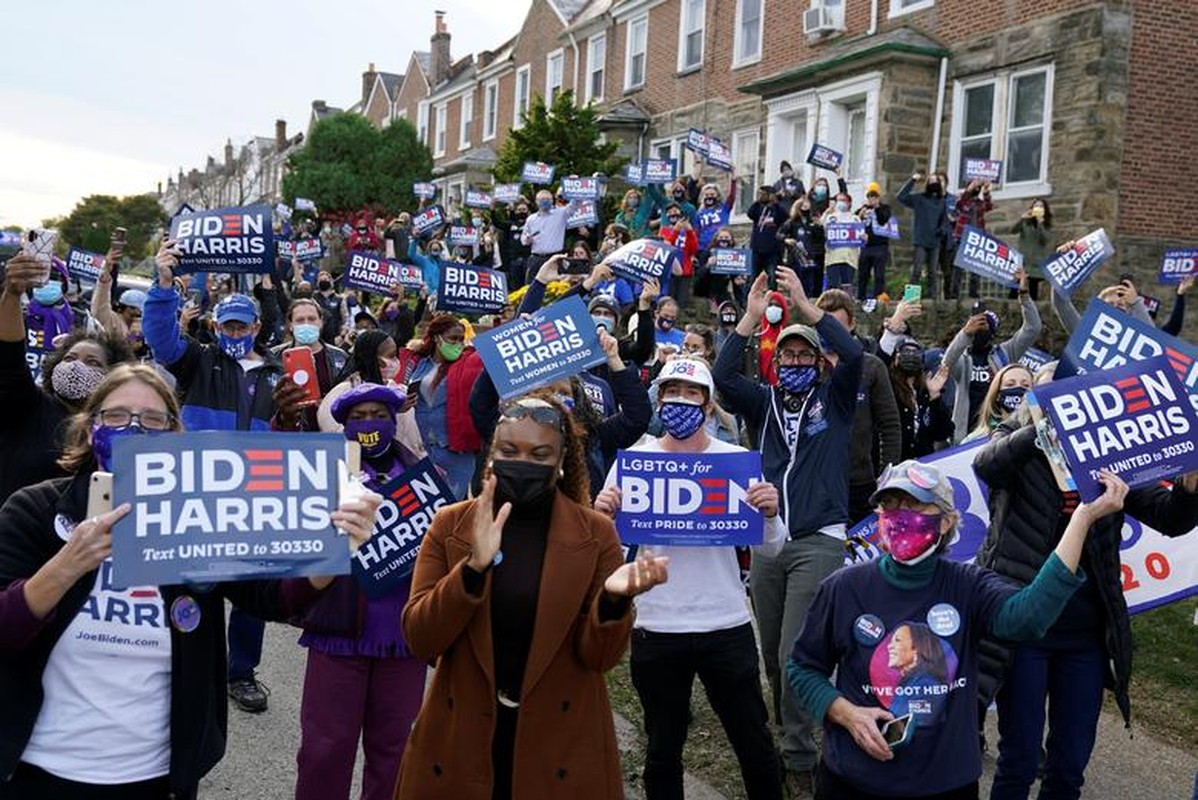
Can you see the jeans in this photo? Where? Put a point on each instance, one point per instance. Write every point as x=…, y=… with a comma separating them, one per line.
x=841, y=275
x=1072, y=681
x=931, y=257
x=245, y=644
x=663, y=668
x=873, y=261
x=783, y=588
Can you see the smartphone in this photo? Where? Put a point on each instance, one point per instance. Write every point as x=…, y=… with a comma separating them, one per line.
x=912, y=293
x=1128, y=277
x=193, y=297
x=38, y=243
x=979, y=307
x=99, y=494
x=412, y=389
x=301, y=368
x=898, y=731
x=118, y=240
x=576, y=266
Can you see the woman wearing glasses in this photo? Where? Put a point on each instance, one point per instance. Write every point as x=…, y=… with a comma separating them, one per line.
x=107, y=691
x=522, y=597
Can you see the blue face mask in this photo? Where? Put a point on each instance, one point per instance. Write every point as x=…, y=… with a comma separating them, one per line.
x=237, y=347
x=544, y=205
x=306, y=333
x=1010, y=398
x=681, y=420
x=607, y=323
x=102, y=438
x=797, y=378
x=820, y=192
x=48, y=295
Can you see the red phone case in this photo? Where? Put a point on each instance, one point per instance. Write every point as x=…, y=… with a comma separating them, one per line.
x=301, y=368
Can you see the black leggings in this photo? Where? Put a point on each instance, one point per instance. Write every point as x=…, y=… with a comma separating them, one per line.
x=34, y=783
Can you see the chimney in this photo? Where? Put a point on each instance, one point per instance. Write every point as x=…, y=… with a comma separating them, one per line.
x=160, y=188
x=229, y=155
x=367, y=84
x=280, y=135
x=439, y=60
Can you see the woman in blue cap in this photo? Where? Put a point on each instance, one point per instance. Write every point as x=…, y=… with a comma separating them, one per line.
x=361, y=682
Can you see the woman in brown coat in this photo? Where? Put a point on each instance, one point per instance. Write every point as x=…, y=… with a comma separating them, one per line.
x=522, y=597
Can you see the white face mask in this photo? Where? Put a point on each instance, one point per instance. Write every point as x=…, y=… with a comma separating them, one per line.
x=773, y=315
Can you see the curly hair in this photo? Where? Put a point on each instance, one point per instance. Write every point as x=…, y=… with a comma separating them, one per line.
x=437, y=326
x=575, y=480
x=116, y=351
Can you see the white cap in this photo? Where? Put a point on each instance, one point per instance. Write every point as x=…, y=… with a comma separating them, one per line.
x=687, y=369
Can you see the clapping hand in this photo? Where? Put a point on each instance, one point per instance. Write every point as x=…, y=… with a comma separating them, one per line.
x=487, y=532
x=639, y=576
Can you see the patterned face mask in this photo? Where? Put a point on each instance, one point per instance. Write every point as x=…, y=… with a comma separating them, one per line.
x=681, y=420
x=909, y=536
x=74, y=380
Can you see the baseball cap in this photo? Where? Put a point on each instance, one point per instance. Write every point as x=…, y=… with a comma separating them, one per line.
x=808, y=333
x=389, y=396
x=873, y=187
x=133, y=298
x=604, y=301
x=922, y=481
x=237, y=307
x=689, y=370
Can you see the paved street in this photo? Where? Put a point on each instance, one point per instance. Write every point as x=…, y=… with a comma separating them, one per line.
x=260, y=764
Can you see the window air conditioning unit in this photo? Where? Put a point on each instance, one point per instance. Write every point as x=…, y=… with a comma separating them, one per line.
x=820, y=19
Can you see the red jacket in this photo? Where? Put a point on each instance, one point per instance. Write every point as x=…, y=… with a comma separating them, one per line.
x=688, y=247
x=459, y=381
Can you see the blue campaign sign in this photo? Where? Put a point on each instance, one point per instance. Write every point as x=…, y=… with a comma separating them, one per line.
x=285, y=248
x=983, y=168
x=634, y=174
x=284, y=211
x=409, y=276
x=659, y=170
x=719, y=155
x=304, y=204
x=845, y=234
x=425, y=191
x=184, y=208
x=698, y=141
x=409, y=503
x=1035, y=358
x=471, y=290
x=1106, y=338
x=1178, y=264
x=642, y=259
x=584, y=213
x=368, y=272
x=580, y=188
x=688, y=499
x=462, y=235
x=1136, y=421
x=309, y=249
x=219, y=506
x=237, y=240
x=537, y=173
x=982, y=254
x=84, y=266
x=888, y=231
x=730, y=261
x=556, y=342
x=506, y=193
x=823, y=156
x=477, y=199
x=428, y=220
x=1066, y=271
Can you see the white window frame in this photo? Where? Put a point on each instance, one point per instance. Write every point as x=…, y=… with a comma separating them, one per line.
x=737, y=61
x=422, y=123
x=465, y=122
x=440, y=123
x=643, y=19
x=744, y=196
x=490, y=109
x=835, y=102
x=521, y=105
x=591, y=97
x=898, y=10
x=784, y=115
x=684, y=157
x=684, y=31
x=558, y=55
x=1001, y=116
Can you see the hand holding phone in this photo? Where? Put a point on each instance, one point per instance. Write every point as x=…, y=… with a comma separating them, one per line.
x=300, y=366
x=912, y=293
x=898, y=731
x=38, y=244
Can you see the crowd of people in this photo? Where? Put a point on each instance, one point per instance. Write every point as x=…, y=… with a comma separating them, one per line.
x=522, y=597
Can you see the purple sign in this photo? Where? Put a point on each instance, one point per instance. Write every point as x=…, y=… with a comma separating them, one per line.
x=471, y=290
x=660, y=170
x=730, y=261
x=368, y=272
x=506, y=193
x=982, y=168
x=463, y=235
x=584, y=214
x=825, y=157
x=427, y=220
x=84, y=266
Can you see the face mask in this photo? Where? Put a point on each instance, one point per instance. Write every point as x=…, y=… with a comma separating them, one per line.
x=788, y=173
x=908, y=535
x=306, y=334
x=665, y=324
x=390, y=313
x=773, y=315
x=476, y=221
x=607, y=323
x=103, y=437
x=237, y=347
x=324, y=286
x=679, y=194
x=1010, y=399
x=49, y=294
x=709, y=201
x=821, y=192
x=910, y=363
x=389, y=369
x=982, y=339
x=375, y=435
x=842, y=207
x=933, y=189
x=797, y=379
x=521, y=482
x=632, y=202
x=451, y=351
x=522, y=215
x=728, y=319
x=723, y=243
x=74, y=380
x=544, y=205
x=681, y=420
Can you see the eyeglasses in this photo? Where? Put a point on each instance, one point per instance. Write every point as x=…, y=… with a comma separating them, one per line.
x=796, y=357
x=123, y=417
x=546, y=415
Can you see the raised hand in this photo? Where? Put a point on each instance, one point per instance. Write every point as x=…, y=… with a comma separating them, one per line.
x=22, y=272
x=758, y=298
x=356, y=517
x=639, y=576
x=1110, y=501
x=650, y=290
x=936, y=383
x=487, y=533
x=608, y=501
x=167, y=261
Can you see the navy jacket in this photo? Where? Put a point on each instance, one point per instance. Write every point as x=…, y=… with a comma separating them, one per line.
x=931, y=218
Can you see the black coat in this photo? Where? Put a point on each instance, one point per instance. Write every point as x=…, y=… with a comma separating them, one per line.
x=1025, y=509
x=32, y=424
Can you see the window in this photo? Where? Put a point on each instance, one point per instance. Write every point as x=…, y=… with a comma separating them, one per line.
x=745, y=151
x=467, y=121
x=596, y=66
x=523, y=93
x=747, y=47
x=690, y=34
x=900, y=7
x=1005, y=117
x=553, y=75
x=490, y=109
x=634, y=67
x=422, y=123
x=440, y=123
x=675, y=149
x=855, y=156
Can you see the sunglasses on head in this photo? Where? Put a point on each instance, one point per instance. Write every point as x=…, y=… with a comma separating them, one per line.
x=546, y=415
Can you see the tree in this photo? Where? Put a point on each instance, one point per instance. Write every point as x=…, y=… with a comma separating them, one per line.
x=91, y=223
x=349, y=164
x=564, y=135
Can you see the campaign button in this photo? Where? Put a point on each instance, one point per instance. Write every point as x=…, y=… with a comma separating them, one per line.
x=185, y=614
x=944, y=619
x=868, y=630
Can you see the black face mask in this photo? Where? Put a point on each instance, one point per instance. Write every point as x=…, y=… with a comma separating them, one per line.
x=679, y=195
x=982, y=339
x=910, y=363
x=522, y=482
x=324, y=286
x=521, y=215
x=934, y=189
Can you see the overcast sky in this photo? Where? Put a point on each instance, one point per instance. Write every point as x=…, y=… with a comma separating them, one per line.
x=112, y=97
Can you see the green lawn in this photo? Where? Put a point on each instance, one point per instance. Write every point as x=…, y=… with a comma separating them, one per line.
x=1163, y=699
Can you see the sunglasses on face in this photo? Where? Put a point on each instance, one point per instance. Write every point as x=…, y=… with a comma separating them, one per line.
x=545, y=415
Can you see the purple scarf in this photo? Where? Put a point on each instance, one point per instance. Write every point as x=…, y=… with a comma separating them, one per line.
x=52, y=321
